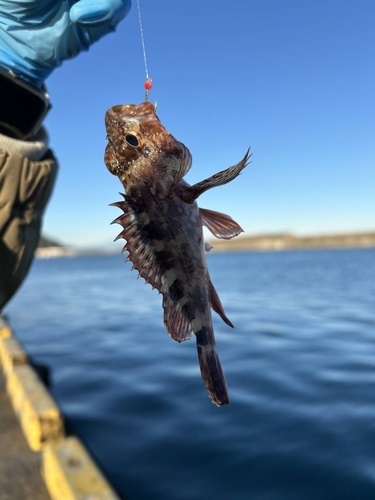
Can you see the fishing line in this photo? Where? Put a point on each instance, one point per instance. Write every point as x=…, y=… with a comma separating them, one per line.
x=148, y=82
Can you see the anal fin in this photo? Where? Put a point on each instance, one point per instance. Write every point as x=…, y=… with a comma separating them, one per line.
x=217, y=306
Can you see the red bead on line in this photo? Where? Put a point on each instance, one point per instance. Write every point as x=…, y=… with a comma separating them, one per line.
x=148, y=84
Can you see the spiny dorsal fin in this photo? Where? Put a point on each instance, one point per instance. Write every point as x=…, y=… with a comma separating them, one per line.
x=139, y=246
x=149, y=263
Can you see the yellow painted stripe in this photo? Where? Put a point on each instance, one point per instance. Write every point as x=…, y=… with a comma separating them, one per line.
x=40, y=418
x=71, y=474
x=11, y=354
x=5, y=330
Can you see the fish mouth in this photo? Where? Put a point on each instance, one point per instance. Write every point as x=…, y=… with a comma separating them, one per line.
x=121, y=114
x=129, y=111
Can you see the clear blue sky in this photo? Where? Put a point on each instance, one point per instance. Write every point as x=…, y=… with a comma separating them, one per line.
x=295, y=80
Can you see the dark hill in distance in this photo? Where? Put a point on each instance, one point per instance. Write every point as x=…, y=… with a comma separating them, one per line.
x=288, y=241
x=262, y=242
x=46, y=242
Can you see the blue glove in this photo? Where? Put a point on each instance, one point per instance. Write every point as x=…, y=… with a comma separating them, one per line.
x=36, y=36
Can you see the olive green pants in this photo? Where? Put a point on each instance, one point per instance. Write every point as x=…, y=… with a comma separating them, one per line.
x=25, y=188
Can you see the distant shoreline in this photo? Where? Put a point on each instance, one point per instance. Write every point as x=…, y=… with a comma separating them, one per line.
x=289, y=241
x=266, y=242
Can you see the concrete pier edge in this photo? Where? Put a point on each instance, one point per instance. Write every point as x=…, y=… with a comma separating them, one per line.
x=68, y=470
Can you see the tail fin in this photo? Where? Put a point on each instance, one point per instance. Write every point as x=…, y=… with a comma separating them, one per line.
x=212, y=373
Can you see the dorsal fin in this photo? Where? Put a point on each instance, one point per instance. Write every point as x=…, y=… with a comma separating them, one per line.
x=176, y=322
x=149, y=263
x=141, y=253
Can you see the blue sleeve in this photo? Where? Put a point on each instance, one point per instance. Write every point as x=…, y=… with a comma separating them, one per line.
x=36, y=36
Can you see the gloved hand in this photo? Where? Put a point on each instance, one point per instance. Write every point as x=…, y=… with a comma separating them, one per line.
x=36, y=36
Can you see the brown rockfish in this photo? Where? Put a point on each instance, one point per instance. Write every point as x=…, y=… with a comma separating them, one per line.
x=162, y=225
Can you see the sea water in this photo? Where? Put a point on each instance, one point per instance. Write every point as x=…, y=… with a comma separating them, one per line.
x=300, y=368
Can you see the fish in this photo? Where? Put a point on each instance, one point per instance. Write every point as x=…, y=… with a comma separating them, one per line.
x=162, y=226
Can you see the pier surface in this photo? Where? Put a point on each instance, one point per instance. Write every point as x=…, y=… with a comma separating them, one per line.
x=37, y=460
x=20, y=477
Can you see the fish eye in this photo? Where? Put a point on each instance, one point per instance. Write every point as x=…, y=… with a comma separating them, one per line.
x=132, y=140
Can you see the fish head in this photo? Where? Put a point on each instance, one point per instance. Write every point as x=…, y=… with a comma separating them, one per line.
x=141, y=152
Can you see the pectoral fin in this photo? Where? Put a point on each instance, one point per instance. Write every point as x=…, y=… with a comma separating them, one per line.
x=220, y=225
x=223, y=177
